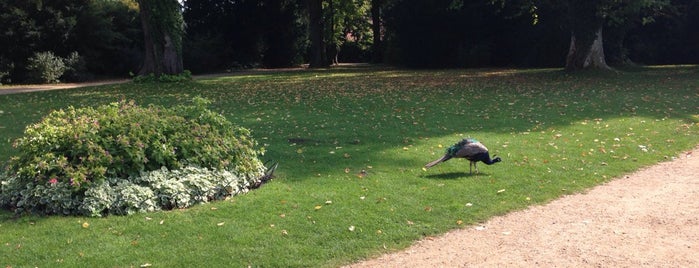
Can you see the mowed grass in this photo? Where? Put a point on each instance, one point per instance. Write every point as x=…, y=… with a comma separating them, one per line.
x=557, y=134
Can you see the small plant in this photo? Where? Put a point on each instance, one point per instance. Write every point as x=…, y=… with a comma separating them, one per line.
x=76, y=69
x=122, y=158
x=45, y=67
x=164, y=78
x=3, y=74
x=5, y=68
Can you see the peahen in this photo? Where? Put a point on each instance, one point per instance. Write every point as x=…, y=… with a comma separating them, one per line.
x=470, y=149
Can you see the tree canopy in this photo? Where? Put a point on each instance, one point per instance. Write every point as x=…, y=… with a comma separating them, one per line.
x=115, y=37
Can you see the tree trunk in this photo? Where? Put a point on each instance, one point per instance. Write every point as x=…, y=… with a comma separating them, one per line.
x=315, y=28
x=586, y=55
x=614, y=50
x=162, y=55
x=376, y=45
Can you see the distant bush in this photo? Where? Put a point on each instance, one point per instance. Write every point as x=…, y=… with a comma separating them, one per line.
x=5, y=68
x=122, y=158
x=45, y=67
x=76, y=68
x=164, y=78
x=3, y=74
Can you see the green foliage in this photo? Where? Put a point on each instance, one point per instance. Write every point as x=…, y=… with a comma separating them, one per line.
x=109, y=37
x=164, y=78
x=162, y=189
x=76, y=69
x=45, y=67
x=113, y=147
x=3, y=74
x=165, y=20
x=266, y=32
x=30, y=27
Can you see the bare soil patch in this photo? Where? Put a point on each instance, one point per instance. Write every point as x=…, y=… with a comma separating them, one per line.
x=649, y=218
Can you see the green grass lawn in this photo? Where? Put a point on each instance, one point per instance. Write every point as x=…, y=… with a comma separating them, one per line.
x=557, y=134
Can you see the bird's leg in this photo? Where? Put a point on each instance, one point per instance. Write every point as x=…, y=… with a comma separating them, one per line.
x=470, y=167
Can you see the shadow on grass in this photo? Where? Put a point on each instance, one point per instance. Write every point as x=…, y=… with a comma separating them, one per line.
x=450, y=175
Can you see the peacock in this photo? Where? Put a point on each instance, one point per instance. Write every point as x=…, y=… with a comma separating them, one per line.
x=470, y=149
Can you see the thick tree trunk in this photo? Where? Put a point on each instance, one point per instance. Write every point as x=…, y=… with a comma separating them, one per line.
x=162, y=55
x=377, y=45
x=315, y=28
x=586, y=55
x=150, y=54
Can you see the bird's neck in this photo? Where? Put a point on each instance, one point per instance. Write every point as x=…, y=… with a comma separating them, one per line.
x=487, y=160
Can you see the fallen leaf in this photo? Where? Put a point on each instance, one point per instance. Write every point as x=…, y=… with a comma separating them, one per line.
x=85, y=225
x=501, y=191
x=220, y=223
x=318, y=207
x=362, y=174
x=351, y=228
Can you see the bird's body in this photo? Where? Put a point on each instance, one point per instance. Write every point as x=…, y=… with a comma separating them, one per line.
x=470, y=149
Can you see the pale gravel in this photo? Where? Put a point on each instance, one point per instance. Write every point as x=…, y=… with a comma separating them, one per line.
x=646, y=219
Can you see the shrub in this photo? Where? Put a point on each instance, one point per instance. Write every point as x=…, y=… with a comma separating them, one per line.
x=164, y=78
x=122, y=158
x=76, y=68
x=5, y=67
x=3, y=74
x=45, y=67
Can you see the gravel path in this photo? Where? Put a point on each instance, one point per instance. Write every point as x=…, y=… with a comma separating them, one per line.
x=646, y=219
x=14, y=89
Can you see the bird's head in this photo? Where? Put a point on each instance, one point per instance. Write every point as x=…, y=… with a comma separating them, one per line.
x=496, y=159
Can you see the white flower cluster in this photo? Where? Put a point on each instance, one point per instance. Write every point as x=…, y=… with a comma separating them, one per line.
x=151, y=191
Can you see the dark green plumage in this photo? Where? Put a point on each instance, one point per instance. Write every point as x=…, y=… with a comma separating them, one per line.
x=452, y=150
x=470, y=149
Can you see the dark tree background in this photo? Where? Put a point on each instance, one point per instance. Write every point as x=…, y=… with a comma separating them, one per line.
x=220, y=35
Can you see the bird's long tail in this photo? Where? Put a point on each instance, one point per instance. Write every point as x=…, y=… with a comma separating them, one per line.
x=269, y=174
x=444, y=158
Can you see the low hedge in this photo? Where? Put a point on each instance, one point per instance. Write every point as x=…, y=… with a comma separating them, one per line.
x=122, y=158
